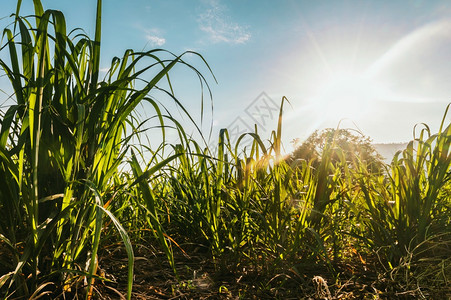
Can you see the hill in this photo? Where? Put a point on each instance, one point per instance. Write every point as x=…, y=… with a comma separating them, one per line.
x=388, y=150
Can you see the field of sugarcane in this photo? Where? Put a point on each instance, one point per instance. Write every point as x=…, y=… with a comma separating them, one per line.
x=90, y=210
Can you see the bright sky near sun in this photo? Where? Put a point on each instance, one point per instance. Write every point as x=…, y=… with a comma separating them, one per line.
x=382, y=66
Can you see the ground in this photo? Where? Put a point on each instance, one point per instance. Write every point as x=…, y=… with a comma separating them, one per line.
x=198, y=278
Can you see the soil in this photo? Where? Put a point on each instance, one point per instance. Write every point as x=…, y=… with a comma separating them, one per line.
x=199, y=278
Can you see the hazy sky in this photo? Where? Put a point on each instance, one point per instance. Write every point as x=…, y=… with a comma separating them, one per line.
x=383, y=65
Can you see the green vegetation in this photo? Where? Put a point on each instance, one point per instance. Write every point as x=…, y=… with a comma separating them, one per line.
x=66, y=196
x=354, y=148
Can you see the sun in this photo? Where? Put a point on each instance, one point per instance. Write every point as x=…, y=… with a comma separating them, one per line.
x=346, y=95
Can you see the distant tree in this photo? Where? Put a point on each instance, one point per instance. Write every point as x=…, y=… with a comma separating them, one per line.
x=353, y=147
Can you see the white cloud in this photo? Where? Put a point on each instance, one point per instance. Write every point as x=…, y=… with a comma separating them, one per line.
x=153, y=36
x=155, y=40
x=219, y=27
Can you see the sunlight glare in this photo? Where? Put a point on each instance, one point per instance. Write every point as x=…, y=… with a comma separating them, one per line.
x=346, y=95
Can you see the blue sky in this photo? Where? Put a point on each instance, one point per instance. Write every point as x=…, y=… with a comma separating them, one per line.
x=382, y=66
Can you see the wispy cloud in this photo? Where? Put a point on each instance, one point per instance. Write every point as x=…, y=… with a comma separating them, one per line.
x=155, y=40
x=219, y=27
x=153, y=36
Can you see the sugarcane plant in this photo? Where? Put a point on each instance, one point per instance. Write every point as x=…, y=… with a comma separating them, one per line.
x=62, y=141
